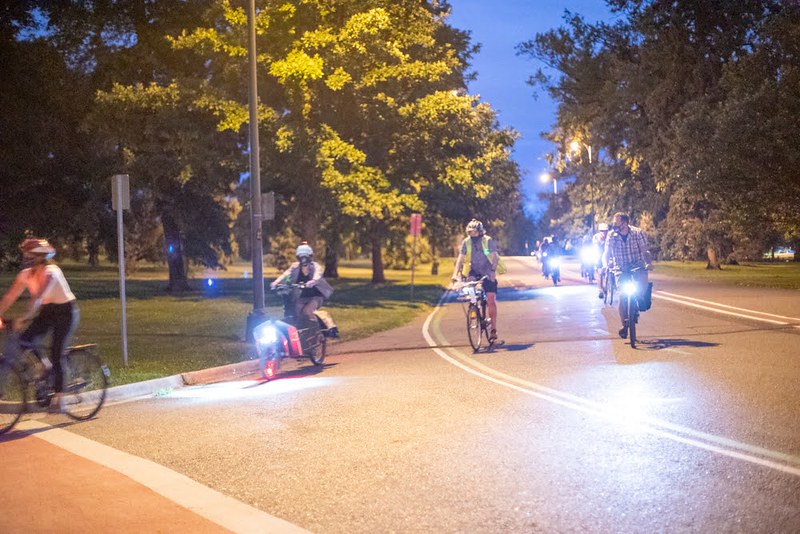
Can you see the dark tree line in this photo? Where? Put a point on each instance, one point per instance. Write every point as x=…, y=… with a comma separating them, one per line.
x=692, y=109
x=364, y=119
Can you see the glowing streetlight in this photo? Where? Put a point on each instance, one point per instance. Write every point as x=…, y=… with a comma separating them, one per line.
x=546, y=177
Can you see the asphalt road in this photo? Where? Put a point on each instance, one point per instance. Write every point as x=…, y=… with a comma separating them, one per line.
x=565, y=428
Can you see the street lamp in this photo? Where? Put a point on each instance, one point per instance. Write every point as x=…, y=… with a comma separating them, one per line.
x=546, y=177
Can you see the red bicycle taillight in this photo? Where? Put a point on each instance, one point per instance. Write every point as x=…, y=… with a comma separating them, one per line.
x=271, y=369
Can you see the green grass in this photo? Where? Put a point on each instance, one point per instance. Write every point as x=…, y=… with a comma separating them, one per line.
x=170, y=334
x=783, y=275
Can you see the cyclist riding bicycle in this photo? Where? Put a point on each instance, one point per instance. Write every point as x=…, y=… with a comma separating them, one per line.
x=53, y=307
x=307, y=272
x=599, y=240
x=482, y=263
x=627, y=247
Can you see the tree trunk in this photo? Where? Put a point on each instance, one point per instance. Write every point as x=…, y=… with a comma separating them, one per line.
x=332, y=258
x=377, y=255
x=713, y=260
x=435, y=264
x=178, y=280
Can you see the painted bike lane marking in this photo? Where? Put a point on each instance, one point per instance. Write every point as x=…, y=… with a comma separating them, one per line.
x=778, y=461
x=715, y=307
x=221, y=509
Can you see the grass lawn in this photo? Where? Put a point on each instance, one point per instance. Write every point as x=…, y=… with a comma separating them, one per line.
x=783, y=275
x=170, y=334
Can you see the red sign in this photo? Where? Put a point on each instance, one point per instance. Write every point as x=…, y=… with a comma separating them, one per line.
x=416, y=224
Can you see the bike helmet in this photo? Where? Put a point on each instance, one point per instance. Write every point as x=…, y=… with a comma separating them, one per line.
x=304, y=253
x=476, y=226
x=602, y=227
x=34, y=246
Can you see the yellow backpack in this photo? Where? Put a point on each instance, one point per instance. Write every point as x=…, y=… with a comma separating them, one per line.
x=501, y=265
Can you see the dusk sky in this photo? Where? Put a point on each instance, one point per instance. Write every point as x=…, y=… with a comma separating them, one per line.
x=499, y=27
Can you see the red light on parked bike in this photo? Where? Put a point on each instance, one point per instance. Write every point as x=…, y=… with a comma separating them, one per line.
x=270, y=369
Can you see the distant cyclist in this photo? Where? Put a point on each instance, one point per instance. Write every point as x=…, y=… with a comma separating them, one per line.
x=627, y=247
x=478, y=258
x=599, y=241
x=53, y=307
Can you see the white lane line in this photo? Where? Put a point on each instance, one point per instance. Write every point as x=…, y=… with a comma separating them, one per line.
x=716, y=310
x=225, y=511
x=673, y=432
x=717, y=304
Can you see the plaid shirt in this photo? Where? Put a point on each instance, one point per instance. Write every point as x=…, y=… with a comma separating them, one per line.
x=628, y=253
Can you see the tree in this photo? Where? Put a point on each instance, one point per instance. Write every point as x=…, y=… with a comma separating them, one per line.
x=668, y=90
x=340, y=83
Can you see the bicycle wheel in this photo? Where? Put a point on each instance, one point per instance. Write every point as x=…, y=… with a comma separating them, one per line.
x=612, y=287
x=320, y=348
x=632, y=318
x=85, y=383
x=12, y=396
x=474, y=327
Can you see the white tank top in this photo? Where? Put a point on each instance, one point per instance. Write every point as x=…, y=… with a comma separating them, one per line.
x=57, y=292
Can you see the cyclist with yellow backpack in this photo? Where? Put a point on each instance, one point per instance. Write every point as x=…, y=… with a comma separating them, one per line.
x=484, y=262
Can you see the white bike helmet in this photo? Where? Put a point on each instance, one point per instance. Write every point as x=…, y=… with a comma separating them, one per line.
x=304, y=253
x=475, y=225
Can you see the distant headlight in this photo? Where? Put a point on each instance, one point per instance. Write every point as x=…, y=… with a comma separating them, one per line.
x=590, y=255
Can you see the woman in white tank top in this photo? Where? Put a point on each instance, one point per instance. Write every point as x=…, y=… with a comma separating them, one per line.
x=53, y=306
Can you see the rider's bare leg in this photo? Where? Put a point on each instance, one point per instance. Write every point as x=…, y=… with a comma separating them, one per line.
x=491, y=309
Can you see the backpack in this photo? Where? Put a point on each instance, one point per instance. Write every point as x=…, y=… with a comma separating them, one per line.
x=501, y=265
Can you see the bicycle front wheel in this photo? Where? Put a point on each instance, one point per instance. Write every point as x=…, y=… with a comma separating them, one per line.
x=85, y=383
x=319, y=349
x=474, y=327
x=12, y=396
x=632, y=319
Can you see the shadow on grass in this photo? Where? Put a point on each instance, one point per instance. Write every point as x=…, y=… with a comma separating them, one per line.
x=347, y=293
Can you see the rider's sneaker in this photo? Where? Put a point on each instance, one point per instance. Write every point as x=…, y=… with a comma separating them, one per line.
x=623, y=332
x=492, y=336
x=56, y=404
x=601, y=295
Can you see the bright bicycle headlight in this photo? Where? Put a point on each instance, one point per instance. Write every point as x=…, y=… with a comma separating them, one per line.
x=265, y=334
x=554, y=262
x=590, y=255
x=629, y=288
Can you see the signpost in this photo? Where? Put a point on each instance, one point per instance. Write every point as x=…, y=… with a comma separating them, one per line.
x=120, y=201
x=415, y=229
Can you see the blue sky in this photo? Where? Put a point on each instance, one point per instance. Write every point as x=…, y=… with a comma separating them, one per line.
x=499, y=26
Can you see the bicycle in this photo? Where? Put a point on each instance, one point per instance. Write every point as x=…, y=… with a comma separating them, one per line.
x=85, y=382
x=478, y=324
x=631, y=294
x=610, y=284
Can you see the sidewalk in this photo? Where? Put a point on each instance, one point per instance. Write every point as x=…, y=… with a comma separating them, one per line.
x=52, y=480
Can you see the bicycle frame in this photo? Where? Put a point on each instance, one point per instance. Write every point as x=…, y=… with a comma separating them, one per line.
x=631, y=292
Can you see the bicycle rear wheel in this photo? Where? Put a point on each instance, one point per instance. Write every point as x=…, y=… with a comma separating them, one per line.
x=12, y=396
x=85, y=383
x=474, y=327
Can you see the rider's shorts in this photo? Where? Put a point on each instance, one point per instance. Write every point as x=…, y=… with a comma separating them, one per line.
x=488, y=285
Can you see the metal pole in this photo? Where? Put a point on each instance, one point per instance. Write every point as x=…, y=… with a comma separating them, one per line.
x=258, y=314
x=121, y=262
x=413, y=261
x=255, y=166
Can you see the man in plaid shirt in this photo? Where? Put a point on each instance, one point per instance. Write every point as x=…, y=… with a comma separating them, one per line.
x=627, y=248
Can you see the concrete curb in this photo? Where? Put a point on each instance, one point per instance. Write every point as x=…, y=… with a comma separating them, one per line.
x=165, y=385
